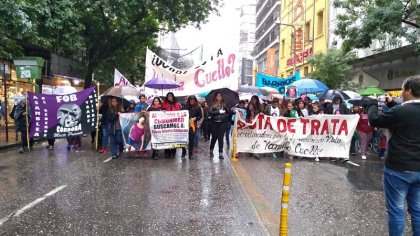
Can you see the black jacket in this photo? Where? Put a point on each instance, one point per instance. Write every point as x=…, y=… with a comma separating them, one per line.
x=404, y=146
x=216, y=116
x=20, y=118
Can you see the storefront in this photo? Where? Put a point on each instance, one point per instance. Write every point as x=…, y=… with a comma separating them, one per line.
x=388, y=69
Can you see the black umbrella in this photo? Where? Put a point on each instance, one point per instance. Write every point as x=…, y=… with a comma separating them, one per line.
x=330, y=94
x=230, y=97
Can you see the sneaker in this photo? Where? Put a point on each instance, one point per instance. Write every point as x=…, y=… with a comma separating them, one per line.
x=101, y=150
x=50, y=147
x=114, y=157
x=221, y=155
x=211, y=153
x=363, y=157
x=22, y=150
x=190, y=156
x=316, y=159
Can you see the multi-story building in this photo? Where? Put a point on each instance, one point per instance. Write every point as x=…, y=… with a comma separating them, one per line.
x=246, y=41
x=304, y=30
x=266, y=49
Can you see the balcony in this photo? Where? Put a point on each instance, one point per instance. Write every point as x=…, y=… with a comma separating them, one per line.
x=267, y=24
x=265, y=7
x=268, y=39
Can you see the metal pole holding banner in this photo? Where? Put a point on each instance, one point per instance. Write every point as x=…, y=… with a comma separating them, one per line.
x=97, y=117
x=285, y=199
x=27, y=122
x=234, y=138
x=293, y=45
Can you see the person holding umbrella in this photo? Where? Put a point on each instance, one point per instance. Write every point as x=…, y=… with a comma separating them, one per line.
x=170, y=104
x=156, y=106
x=219, y=113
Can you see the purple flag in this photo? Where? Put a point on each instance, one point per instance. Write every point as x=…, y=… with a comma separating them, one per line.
x=61, y=116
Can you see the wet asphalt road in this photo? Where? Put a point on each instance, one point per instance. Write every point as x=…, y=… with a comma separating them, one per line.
x=204, y=196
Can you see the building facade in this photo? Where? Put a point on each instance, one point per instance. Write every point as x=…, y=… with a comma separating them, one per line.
x=266, y=49
x=304, y=30
x=246, y=41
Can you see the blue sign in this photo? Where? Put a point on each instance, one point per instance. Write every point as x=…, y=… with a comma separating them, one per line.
x=263, y=80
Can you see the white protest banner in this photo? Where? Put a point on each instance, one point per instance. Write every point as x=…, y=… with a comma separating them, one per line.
x=169, y=129
x=220, y=71
x=313, y=136
x=120, y=80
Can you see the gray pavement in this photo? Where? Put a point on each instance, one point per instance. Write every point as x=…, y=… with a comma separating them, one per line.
x=68, y=193
x=127, y=196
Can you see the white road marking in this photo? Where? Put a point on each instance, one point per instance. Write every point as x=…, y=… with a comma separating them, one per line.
x=355, y=164
x=32, y=204
x=109, y=159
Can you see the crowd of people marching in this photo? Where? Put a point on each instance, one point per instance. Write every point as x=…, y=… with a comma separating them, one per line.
x=210, y=122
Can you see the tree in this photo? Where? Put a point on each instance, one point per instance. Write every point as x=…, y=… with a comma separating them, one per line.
x=384, y=20
x=97, y=32
x=331, y=67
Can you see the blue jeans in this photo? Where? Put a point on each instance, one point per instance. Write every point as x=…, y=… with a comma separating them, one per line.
x=227, y=134
x=115, y=142
x=105, y=137
x=401, y=186
x=197, y=137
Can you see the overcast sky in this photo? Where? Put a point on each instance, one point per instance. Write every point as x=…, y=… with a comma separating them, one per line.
x=220, y=32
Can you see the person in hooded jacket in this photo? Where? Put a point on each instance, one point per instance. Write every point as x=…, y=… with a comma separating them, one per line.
x=337, y=107
x=195, y=114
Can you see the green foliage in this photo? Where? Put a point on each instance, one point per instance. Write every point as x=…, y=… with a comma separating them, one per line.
x=385, y=20
x=331, y=67
x=102, y=34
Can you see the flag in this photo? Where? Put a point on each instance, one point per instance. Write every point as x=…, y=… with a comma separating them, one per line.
x=120, y=80
x=62, y=116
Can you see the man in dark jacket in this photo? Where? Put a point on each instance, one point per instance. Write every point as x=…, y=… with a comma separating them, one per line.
x=20, y=124
x=336, y=107
x=402, y=166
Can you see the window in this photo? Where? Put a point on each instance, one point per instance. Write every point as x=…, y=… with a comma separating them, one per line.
x=305, y=70
x=283, y=42
x=307, y=31
x=320, y=26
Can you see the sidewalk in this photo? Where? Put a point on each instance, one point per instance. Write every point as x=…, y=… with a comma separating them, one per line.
x=12, y=138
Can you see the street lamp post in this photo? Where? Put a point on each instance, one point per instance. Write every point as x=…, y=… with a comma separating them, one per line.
x=293, y=45
x=3, y=69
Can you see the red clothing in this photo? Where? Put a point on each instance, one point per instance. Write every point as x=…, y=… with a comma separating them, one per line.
x=171, y=107
x=363, y=124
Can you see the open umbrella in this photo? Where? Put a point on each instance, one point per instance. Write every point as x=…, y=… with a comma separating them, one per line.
x=271, y=90
x=352, y=95
x=309, y=86
x=371, y=90
x=162, y=83
x=230, y=97
x=253, y=90
x=330, y=94
x=63, y=90
x=121, y=91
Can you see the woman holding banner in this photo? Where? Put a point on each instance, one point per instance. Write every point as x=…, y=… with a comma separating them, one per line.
x=195, y=114
x=114, y=127
x=254, y=108
x=156, y=106
x=219, y=114
x=170, y=104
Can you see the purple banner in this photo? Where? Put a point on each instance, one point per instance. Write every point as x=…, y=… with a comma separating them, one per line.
x=61, y=116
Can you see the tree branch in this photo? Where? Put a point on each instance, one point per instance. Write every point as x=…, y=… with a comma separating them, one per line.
x=411, y=23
